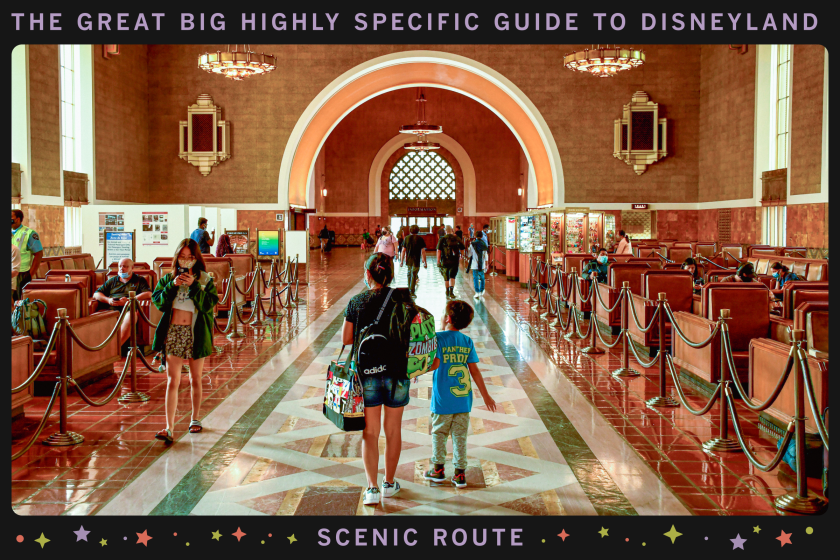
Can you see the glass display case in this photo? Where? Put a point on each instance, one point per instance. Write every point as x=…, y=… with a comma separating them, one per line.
x=532, y=233
x=609, y=232
x=596, y=231
x=511, y=233
x=555, y=237
x=576, y=232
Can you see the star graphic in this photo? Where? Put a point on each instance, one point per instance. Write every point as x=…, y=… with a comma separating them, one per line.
x=143, y=538
x=217, y=535
x=103, y=542
x=738, y=542
x=238, y=534
x=603, y=532
x=563, y=535
x=673, y=534
x=81, y=534
x=784, y=538
x=292, y=539
x=42, y=540
x=756, y=529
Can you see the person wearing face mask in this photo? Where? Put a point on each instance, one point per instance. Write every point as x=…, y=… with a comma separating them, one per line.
x=597, y=269
x=380, y=390
x=186, y=295
x=781, y=275
x=745, y=273
x=114, y=293
x=690, y=265
x=30, y=249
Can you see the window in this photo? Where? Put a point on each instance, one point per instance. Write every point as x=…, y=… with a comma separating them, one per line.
x=72, y=226
x=774, y=227
x=70, y=108
x=422, y=176
x=781, y=132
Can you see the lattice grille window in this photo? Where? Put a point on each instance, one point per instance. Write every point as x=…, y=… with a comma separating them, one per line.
x=725, y=225
x=422, y=176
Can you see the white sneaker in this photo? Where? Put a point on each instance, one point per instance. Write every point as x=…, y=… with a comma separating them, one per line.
x=477, y=295
x=389, y=489
x=371, y=496
x=482, y=293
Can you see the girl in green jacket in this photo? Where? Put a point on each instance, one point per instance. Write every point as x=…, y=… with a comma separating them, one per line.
x=186, y=295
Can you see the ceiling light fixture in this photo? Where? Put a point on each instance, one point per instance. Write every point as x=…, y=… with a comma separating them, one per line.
x=604, y=62
x=421, y=128
x=235, y=64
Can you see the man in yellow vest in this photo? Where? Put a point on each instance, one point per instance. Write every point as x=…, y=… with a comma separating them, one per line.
x=30, y=248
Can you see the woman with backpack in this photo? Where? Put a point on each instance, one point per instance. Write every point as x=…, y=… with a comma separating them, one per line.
x=186, y=295
x=386, y=390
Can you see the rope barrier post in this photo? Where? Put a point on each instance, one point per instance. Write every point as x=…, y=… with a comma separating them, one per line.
x=573, y=310
x=62, y=437
x=297, y=299
x=723, y=443
x=133, y=396
x=272, y=310
x=663, y=400
x=538, y=283
x=530, y=277
x=557, y=321
x=593, y=345
x=801, y=502
x=625, y=370
x=234, y=333
x=259, y=289
x=550, y=314
x=494, y=273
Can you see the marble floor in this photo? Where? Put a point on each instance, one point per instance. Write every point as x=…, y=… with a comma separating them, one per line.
x=566, y=439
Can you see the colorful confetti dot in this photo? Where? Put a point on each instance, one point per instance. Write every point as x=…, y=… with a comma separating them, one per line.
x=707, y=538
x=125, y=538
x=627, y=540
x=809, y=530
x=269, y=535
x=174, y=534
x=262, y=542
x=19, y=538
x=644, y=544
x=188, y=544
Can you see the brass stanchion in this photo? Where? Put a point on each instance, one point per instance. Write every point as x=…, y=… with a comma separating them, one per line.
x=593, y=325
x=494, y=273
x=530, y=278
x=274, y=293
x=625, y=370
x=290, y=279
x=550, y=313
x=723, y=443
x=62, y=437
x=663, y=399
x=297, y=299
x=573, y=311
x=234, y=332
x=133, y=396
x=802, y=502
x=259, y=289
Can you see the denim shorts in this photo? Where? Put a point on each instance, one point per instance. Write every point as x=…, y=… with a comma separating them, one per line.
x=378, y=391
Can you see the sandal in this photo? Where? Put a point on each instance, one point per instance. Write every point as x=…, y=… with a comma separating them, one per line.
x=165, y=435
x=195, y=426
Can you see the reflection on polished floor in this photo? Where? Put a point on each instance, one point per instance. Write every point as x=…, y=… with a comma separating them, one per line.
x=566, y=439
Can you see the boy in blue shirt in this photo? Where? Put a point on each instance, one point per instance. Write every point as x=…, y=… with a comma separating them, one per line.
x=454, y=364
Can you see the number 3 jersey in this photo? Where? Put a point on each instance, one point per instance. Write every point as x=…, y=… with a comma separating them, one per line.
x=452, y=390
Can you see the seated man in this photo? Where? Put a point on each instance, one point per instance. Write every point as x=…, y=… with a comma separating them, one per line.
x=114, y=293
x=745, y=273
x=597, y=269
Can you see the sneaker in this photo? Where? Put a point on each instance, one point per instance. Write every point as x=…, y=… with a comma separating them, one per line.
x=435, y=474
x=372, y=496
x=390, y=488
x=477, y=295
x=459, y=480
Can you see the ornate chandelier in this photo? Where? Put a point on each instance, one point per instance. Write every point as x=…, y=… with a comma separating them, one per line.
x=421, y=128
x=604, y=62
x=235, y=64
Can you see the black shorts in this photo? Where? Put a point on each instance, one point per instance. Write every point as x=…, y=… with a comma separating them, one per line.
x=449, y=271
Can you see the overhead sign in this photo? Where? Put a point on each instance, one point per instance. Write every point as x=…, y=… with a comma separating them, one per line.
x=640, y=207
x=422, y=211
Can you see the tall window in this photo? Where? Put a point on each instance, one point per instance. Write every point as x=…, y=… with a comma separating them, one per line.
x=782, y=128
x=70, y=108
x=774, y=226
x=422, y=176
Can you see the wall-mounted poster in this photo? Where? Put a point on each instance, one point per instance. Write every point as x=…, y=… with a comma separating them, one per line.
x=155, y=228
x=239, y=240
x=118, y=245
x=110, y=221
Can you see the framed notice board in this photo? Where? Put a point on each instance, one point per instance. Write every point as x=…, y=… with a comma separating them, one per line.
x=119, y=245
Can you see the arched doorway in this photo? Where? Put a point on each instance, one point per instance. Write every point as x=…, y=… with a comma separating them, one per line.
x=430, y=179
x=411, y=69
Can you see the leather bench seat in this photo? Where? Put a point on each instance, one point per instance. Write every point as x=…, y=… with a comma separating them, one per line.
x=23, y=364
x=617, y=274
x=678, y=287
x=812, y=270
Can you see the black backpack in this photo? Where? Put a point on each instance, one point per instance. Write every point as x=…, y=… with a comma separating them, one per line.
x=450, y=252
x=376, y=352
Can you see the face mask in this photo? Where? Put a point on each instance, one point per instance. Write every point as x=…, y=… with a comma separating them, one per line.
x=186, y=264
x=603, y=259
x=775, y=275
x=125, y=275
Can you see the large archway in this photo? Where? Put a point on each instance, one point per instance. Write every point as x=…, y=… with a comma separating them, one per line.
x=411, y=69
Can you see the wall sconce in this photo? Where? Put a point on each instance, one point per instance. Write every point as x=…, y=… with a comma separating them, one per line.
x=519, y=191
x=324, y=192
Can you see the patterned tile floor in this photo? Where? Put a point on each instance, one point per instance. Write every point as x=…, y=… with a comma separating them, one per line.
x=567, y=438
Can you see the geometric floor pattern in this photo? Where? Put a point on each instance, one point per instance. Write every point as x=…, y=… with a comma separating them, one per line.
x=300, y=464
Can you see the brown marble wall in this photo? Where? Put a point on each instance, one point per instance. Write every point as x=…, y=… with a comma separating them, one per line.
x=806, y=118
x=45, y=120
x=47, y=221
x=807, y=225
x=707, y=225
x=727, y=115
x=676, y=224
x=746, y=225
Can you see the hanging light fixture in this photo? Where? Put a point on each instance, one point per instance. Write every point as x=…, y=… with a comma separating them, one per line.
x=421, y=128
x=235, y=64
x=604, y=62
